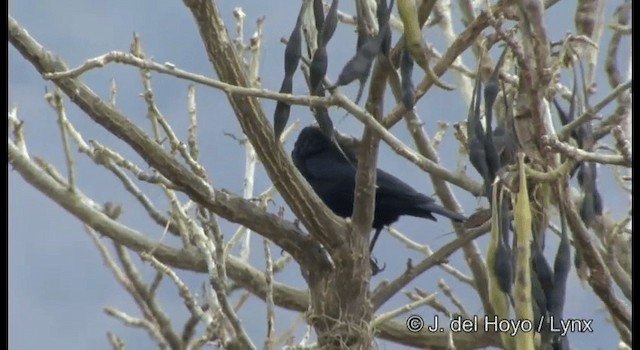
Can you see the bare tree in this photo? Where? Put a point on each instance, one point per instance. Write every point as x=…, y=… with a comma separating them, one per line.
x=526, y=166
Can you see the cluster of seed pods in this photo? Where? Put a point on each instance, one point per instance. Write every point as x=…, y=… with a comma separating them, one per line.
x=357, y=68
x=587, y=173
x=489, y=150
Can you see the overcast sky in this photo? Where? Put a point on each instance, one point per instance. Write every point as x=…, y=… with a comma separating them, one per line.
x=58, y=284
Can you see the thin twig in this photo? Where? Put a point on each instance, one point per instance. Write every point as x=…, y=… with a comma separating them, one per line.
x=55, y=101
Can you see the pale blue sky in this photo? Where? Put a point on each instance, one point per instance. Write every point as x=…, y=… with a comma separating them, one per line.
x=57, y=282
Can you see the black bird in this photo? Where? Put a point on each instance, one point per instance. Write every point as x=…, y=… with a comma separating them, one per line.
x=333, y=178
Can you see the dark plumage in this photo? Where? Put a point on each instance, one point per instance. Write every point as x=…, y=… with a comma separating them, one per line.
x=333, y=178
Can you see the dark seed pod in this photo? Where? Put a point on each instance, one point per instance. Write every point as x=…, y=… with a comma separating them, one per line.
x=318, y=14
x=292, y=54
x=382, y=13
x=281, y=114
x=592, y=204
x=330, y=24
x=293, y=50
x=317, y=69
x=506, y=145
x=542, y=270
x=359, y=66
x=319, y=61
x=324, y=122
x=561, y=268
x=503, y=268
x=408, y=89
x=475, y=137
x=539, y=304
x=490, y=95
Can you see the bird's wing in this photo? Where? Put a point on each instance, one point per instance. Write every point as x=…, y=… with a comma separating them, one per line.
x=392, y=189
x=330, y=168
x=333, y=180
x=394, y=193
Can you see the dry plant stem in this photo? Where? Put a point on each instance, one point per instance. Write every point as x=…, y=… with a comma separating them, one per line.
x=170, y=69
x=616, y=93
x=241, y=234
x=448, y=292
x=443, y=9
x=55, y=100
x=434, y=303
x=368, y=16
x=599, y=278
x=102, y=152
x=192, y=139
x=115, y=341
x=402, y=310
x=352, y=20
x=213, y=250
x=145, y=75
x=386, y=290
x=159, y=317
x=179, y=218
x=623, y=144
x=288, y=333
x=269, y=342
x=125, y=279
x=146, y=203
x=17, y=126
x=395, y=331
x=118, y=274
x=621, y=17
x=582, y=155
x=178, y=145
x=426, y=251
x=138, y=323
x=189, y=300
x=250, y=154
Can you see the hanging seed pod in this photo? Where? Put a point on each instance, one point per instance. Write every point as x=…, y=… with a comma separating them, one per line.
x=475, y=136
x=317, y=69
x=542, y=270
x=319, y=61
x=359, y=66
x=281, y=113
x=318, y=14
x=490, y=95
x=406, y=69
x=292, y=54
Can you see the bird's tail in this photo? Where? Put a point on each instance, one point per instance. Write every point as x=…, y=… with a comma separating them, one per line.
x=437, y=209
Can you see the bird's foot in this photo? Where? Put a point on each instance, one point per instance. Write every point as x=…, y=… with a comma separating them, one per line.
x=375, y=269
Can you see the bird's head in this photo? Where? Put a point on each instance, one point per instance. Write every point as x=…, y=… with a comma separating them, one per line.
x=310, y=141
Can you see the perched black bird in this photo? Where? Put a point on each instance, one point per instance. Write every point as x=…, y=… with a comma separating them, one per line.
x=333, y=178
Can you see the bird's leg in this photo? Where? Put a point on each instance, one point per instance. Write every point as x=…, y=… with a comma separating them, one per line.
x=375, y=269
x=374, y=239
